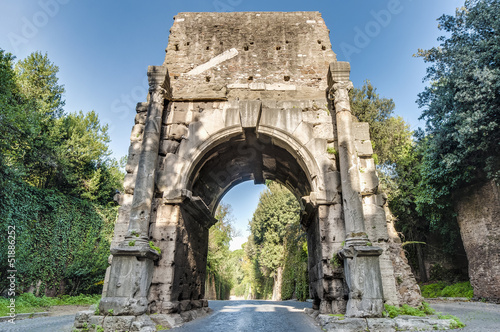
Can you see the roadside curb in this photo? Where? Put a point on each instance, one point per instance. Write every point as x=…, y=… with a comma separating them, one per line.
x=25, y=316
x=450, y=299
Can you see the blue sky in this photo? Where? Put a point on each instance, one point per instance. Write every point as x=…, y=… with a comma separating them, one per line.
x=103, y=49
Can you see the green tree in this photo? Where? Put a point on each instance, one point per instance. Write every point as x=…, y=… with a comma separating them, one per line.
x=462, y=101
x=37, y=77
x=390, y=135
x=295, y=273
x=277, y=209
x=461, y=110
x=46, y=157
x=219, y=267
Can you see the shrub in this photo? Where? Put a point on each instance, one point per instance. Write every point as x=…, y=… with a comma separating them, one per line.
x=441, y=289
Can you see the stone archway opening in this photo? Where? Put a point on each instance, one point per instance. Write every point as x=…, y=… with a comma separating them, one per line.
x=221, y=162
x=243, y=157
x=267, y=253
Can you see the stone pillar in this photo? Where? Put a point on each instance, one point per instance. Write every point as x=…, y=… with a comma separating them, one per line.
x=140, y=212
x=361, y=260
x=133, y=260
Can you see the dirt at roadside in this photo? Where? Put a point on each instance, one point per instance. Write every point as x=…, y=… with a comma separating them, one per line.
x=62, y=310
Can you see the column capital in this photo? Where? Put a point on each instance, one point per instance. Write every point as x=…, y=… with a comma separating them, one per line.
x=159, y=83
x=339, y=93
x=338, y=71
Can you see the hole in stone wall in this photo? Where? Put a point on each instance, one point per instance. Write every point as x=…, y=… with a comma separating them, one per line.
x=288, y=42
x=251, y=43
x=207, y=78
x=286, y=78
x=222, y=43
x=250, y=78
x=176, y=47
x=208, y=48
x=188, y=43
x=246, y=47
x=180, y=297
x=319, y=41
x=278, y=48
x=176, y=77
x=323, y=48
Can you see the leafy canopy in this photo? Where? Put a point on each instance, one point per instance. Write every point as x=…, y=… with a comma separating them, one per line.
x=461, y=105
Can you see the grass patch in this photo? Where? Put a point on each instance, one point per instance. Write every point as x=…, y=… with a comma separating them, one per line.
x=393, y=311
x=442, y=289
x=27, y=302
x=457, y=322
x=423, y=310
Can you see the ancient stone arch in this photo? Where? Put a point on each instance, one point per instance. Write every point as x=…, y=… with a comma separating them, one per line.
x=249, y=96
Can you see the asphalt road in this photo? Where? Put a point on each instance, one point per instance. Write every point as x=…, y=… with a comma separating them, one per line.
x=477, y=316
x=254, y=316
x=42, y=324
x=257, y=316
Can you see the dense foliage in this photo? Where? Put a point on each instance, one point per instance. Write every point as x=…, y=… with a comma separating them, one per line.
x=220, y=267
x=461, y=105
x=57, y=183
x=295, y=282
x=277, y=247
x=443, y=289
x=62, y=242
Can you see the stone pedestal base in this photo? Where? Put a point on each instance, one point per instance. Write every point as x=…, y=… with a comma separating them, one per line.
x=362, y=271
x=130, y=278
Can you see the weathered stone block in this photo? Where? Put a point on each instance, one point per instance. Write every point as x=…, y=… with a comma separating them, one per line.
x=137, y=132
x=250, y=111
x=177, y=131
x=143, y=324
x=82, y=318
x=324, y=131
x=411, y=323
x=142, y=107
x=316, y=117
x=364, y=148
x=168, y=146
x=179, y=116
x=213, y=120
x=140, y=118
x=129, y=183
x=361, y=131
x=168, y=320
x=232, y=117
x=304, y=132
x=342, y=324
x=387, y=272
x=369, y=182
x=381, y=324
x=189, y=145
x=118, y=323
x=284, y=119
x=375, y=223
